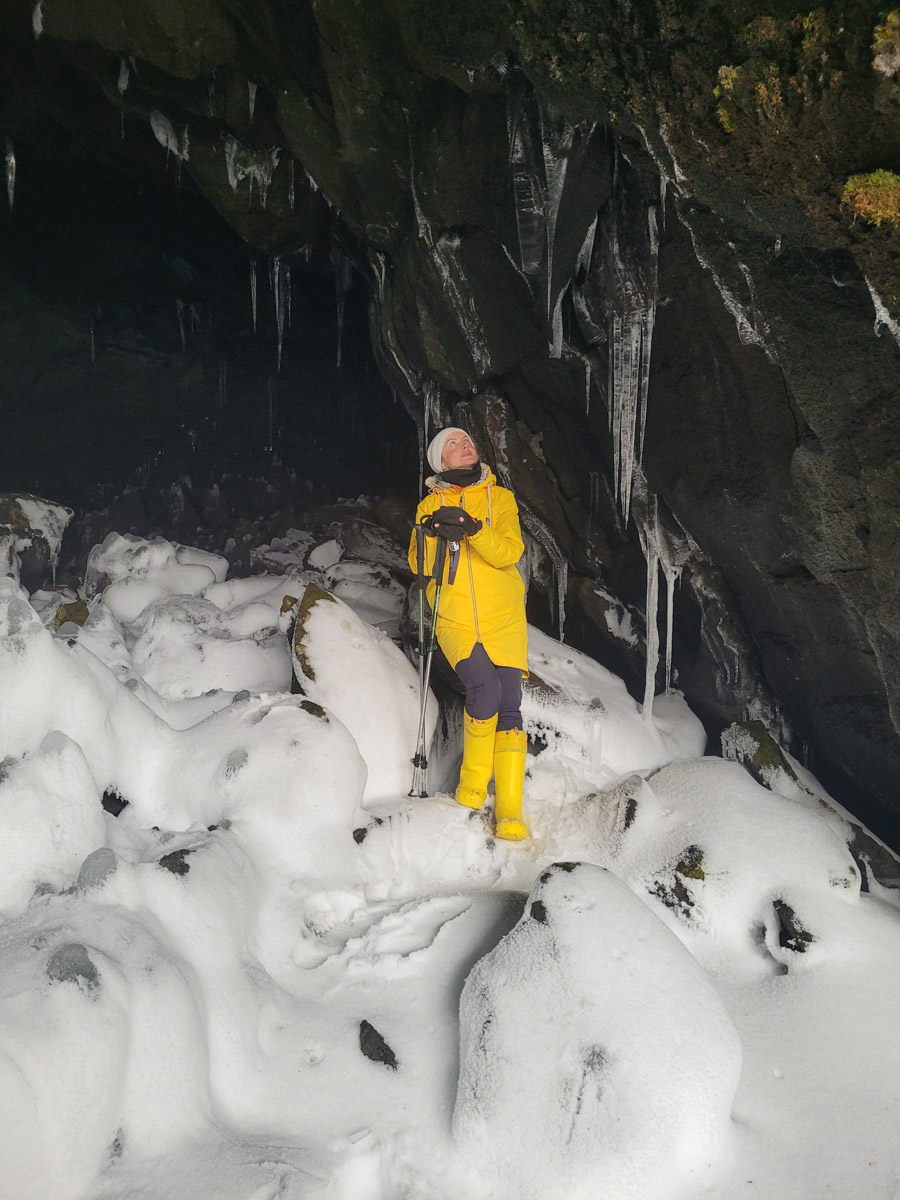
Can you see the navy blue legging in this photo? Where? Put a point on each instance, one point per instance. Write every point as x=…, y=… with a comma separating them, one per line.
x=491, y=689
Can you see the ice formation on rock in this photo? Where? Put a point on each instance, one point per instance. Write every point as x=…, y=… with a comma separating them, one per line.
x=256, y=166
x=173, y=143
x=883, y=318
x=10, y=172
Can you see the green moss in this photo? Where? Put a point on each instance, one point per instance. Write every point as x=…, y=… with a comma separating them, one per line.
x=310, y=599
x=886, y=37
x=690, y=865
x=874, y=198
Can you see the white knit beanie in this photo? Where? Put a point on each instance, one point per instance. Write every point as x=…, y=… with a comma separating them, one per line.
x=436, y=446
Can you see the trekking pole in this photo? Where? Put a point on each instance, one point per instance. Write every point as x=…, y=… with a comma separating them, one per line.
x=420, y=759
x=420, y=581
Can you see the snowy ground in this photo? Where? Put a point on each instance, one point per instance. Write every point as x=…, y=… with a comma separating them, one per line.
x=675, y=989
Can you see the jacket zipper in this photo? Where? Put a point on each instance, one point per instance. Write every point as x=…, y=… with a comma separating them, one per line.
x=462, y=505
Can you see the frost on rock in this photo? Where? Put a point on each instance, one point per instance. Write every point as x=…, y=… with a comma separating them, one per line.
x=255, y=166
x=540, y=147
x=752, y=327
x=883, y=319
x=164, y=132
x=396, y=360
x=579, y=1074
x=556, y=594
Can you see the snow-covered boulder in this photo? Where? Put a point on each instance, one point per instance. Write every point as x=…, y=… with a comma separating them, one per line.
x=597, y=1058
x=31, y=533
x=719, y=855
x=101, y=1048
x=50, y=819
x=359, y=674
x=133, y=572
x=585, y=711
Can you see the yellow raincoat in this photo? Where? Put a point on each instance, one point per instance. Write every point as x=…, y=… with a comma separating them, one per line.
x=486, y=602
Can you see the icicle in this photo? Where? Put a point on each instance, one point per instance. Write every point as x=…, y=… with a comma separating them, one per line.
x=556, y=139
x=667, y=548
x=652, y=606
x=37, y=19
x=10, y=172
x=278, y=291
x=527, y=195
x=289, y=292
x=433, y=418
x=673, y=574
x=251, y=97
x=291, y=194
x=179, y=308
x=556, y=341
x=631, y=336
x=253, y=290
x=343, y=280
x=122, y=85
x=93, y=344
x=594, y=502
x=587, y=387
x=223, y=382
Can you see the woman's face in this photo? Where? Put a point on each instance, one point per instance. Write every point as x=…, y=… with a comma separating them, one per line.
x=457, y=452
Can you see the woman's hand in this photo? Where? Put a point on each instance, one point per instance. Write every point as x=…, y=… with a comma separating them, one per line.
x=451, y=522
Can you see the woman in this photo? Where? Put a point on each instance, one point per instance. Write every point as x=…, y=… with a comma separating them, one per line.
x=481, y=623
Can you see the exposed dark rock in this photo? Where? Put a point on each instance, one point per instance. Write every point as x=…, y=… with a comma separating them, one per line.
x=72, y=963
x=176, y=862
x=76, y=613
x=375, y=1047
x=96, y=869
x=360, y=835
x=113, y=803
x=674, y=892
x=791, y=933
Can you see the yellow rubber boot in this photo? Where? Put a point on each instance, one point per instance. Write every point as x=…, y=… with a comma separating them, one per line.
x=509, y=779
x=478, y=760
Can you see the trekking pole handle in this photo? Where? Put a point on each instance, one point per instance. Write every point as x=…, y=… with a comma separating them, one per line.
x=440, y=556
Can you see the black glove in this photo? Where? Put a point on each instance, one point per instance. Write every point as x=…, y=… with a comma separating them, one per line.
x=453, y=523
x=426, y=525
